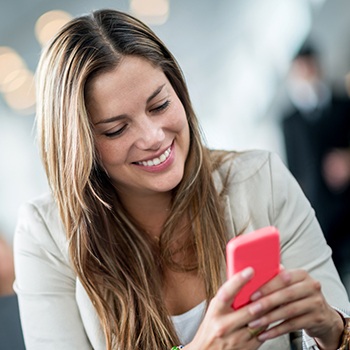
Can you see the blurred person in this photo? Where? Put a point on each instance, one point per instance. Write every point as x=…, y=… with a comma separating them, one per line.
x=7, y=273
x=317, y=141
x=128, y=249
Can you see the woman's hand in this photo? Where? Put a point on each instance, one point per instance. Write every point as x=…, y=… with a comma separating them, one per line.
x=294, y=300
x=223, y=328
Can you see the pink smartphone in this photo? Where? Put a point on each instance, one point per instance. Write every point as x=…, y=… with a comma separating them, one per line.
x=259, y=249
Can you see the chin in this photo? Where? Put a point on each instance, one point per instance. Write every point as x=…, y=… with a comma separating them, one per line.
x=169, y=185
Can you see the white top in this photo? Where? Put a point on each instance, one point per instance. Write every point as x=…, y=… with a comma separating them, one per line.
x=187, y=324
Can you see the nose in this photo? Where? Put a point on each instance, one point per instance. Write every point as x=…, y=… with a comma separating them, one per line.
x=150, y=134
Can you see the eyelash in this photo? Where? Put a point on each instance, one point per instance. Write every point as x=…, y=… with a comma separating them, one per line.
x=116, y=133
x=165, y=105
x=158, y=109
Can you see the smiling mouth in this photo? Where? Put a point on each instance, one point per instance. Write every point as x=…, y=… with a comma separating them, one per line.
x=156, y=161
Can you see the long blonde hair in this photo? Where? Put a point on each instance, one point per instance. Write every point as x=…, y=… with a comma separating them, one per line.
x=118, y=266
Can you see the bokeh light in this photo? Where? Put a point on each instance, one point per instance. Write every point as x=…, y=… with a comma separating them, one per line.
x=16, y=81
x=49, y=24
x=154, y=12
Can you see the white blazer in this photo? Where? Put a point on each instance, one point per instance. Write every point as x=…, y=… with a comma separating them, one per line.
x=56, y=312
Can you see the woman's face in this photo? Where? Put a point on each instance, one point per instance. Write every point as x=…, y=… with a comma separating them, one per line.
x=141, y=129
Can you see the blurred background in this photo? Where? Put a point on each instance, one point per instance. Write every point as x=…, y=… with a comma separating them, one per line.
x=236, y=56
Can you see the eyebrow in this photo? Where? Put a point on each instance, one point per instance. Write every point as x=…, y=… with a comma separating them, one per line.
x=122, y=116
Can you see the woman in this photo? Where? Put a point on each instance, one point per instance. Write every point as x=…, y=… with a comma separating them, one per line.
x=128, y=251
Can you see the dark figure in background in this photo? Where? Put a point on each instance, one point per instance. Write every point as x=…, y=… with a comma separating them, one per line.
x=317, y=136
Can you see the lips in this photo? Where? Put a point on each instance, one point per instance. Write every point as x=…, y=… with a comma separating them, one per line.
x=156, y=161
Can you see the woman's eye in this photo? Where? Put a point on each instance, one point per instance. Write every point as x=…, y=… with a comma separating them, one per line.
x=116, y=133
x=161, y=107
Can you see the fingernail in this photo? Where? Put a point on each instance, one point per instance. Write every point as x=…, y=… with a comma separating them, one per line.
x=247, y=273
x=255, y=296
x=263, y=336
x=255, y=308
x=254, y=324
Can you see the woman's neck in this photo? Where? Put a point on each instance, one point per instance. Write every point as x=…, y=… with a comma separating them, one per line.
x=150, y=212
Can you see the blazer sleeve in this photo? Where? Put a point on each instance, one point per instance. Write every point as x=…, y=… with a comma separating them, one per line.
x=302, y=242
x=45, y=285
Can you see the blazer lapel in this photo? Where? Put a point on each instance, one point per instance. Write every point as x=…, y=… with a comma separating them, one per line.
x=89, y=318
x=230, y=225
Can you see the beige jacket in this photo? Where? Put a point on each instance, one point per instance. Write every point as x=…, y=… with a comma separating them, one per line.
x=56, y=312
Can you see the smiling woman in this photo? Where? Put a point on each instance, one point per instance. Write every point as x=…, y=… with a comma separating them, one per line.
x=128, y=249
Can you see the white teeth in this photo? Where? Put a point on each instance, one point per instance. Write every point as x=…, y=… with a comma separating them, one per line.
x=156, y=161
x=162, y=158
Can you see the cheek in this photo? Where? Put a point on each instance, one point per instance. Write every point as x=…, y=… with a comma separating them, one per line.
x=108, y=152
x=179, y=119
